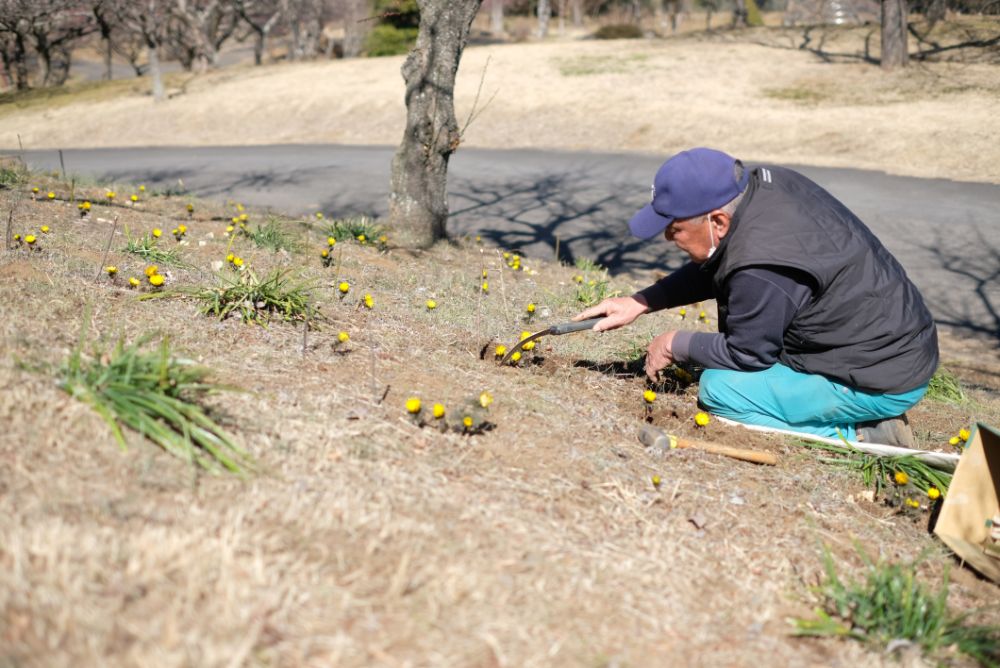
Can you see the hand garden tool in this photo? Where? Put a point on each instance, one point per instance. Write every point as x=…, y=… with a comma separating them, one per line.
x=654, y=437
x=555, y=330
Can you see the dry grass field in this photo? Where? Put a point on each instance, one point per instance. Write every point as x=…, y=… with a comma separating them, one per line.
x=362, y=539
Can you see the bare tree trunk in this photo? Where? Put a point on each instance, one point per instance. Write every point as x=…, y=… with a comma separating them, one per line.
x=544, y=13
x=577, y=9
x=154, y=71
x=740, y=14
x=894, y=49
x=418, y=204
x=20, y=63
x=355, y=28
x=496, y=17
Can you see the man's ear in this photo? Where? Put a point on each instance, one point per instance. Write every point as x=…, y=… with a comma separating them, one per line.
x=720, y=219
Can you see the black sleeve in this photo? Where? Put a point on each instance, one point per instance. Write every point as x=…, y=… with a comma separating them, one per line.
x=687, y=285
x=762, y=303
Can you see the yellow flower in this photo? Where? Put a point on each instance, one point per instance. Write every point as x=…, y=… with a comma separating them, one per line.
x=51, y=195
x=530, y=308
x=578, y=279
x=343, y=337
x=319, y=215
x=330, y=241
x=701, y=419
x=524, y=334
x=344, y=287
x=516, y=357
x=157, y=232
x=111, y=269
x=190, y=208
x=324, y=253
x=142, y=189
x=901, y=478
x=383, y=240
x=506, y=255
x=912, y=503
x=369, y=302
x=243, y=217
x=230, y=257
x=431, y=304
x=156, y=280
x=85, y=205
x=486, y=286
x=933, y=493
x=963, y=434
x=467, y=422
x=176, y=232
x=528, y=346
x=151, y=269
x=235, y=220
x=438, y=411
x=361, y=238
x=44, y=229
x=485, y=399
x=29, y=239
x=17, y=237
x=133, y=282
x=485, y=273
x=229, y=229
x=134, y=198
x=182, y=228
x=35, y=190
x=478, y=238
x=683, y=312
x=237, y=262
x=110, y=194
x=500, y=350
x=656, y=481
x=413, y=405
x=649, y=396
x=954, y=440
x=703, y=316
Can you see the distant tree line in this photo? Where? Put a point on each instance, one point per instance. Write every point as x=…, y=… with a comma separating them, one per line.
x=38, y=37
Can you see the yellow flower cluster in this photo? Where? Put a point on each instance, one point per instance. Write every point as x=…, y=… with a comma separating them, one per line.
x=153, y=275
x=961, y=439
x=701, y=419
x=179, y=232
x=84, y=208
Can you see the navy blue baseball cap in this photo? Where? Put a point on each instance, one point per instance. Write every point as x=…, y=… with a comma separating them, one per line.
x=689, y=184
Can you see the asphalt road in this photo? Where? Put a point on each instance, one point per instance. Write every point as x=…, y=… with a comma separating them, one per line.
x=945, y=233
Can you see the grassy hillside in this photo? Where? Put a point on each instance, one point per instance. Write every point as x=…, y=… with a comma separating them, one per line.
x=542, y=533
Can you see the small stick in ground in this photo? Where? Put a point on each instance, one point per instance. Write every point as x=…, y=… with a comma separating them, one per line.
x=62, y=165
x=375, y=398
x=8, y=237
x=107, y=249
x=503, y=288
x=557, y=250
x=305, y=332
x=479, y=297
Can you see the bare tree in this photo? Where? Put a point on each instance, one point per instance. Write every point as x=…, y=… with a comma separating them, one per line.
x=107, y=24
x=418, y=203
x=49, y=28
x=149, y=20
x=15, y=26
x=355, y=26
x=201, y=28
x=544, y=14
x=304, y=21
x=894, y=47
x=260, y=16
x=496, y=17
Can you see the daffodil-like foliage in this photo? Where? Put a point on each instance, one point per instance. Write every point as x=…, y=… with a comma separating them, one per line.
x=154, y=394
x=944, y=386
x=253, y=299
x=350, y=229
x=147, y=247
x=890, y=604
x=271, y=235
x=882, y=473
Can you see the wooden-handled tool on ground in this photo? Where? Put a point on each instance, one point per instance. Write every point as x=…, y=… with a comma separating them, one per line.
x=654, y=437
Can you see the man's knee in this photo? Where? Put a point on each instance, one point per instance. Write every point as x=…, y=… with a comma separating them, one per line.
x=712, y=389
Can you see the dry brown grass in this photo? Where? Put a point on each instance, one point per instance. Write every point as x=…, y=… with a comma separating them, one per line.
x=369, y=541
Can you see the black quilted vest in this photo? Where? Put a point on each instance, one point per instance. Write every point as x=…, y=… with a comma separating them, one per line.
x=867, y=325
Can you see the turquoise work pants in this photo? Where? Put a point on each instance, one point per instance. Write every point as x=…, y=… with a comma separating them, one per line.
x=783, y=398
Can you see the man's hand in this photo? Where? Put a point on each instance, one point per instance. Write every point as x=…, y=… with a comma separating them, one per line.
x=659, y=355
x=618, y=312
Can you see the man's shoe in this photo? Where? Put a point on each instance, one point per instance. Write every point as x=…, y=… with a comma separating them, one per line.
x=890, y=431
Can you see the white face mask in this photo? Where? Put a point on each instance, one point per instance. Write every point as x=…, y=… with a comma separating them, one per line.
x=711, y=236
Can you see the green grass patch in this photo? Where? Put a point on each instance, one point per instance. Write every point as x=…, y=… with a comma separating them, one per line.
x=945, y=387
x=798, y=94
x=148, y=248
x=156, y=395
x=357, y=228
x=272, y=236
x=254, y=300
x=11, y=176
x=888, y=604
x=587, y=65
x=879, y=473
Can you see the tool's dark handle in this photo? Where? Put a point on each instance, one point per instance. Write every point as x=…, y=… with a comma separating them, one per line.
x=568, y=327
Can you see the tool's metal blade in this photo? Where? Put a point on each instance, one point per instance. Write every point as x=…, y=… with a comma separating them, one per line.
x=520, y=344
